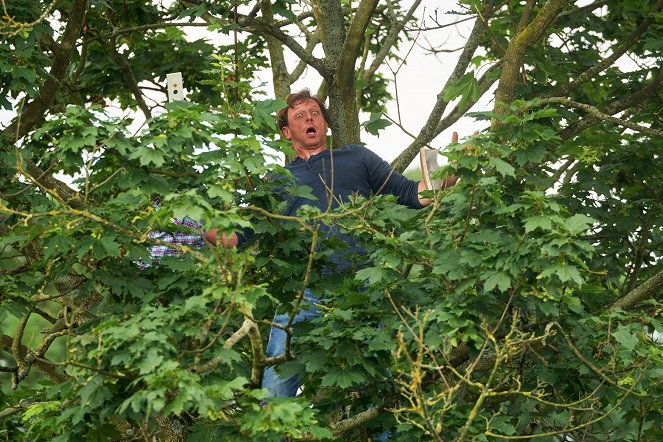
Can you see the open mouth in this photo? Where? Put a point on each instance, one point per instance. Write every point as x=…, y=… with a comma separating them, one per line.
x=311, y=130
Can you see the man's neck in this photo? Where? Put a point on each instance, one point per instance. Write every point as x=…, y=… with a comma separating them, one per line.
x=306, y=154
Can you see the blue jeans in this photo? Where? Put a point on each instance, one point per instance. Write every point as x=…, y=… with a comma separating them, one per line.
x=275, y=384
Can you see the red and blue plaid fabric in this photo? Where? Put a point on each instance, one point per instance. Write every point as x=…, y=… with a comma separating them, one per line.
x=178, y=237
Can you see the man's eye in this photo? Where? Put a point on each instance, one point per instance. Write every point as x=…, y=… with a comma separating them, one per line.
x=299, y=115
x=314, y=113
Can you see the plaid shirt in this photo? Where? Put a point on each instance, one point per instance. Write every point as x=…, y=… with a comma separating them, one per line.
x=178, y=237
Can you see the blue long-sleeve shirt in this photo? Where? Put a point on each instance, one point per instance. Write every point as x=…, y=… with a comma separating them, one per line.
x=335, y=174
x=346, y=171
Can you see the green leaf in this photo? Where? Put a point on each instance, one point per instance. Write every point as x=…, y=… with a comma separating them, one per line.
x=263, y=113
x=227, y=389
x=466, y=87
x=375, y=124
x=538, y=222
x=147, y=156
x=342, y=378
x=371, y=274
x=502, y=166
x=150, y=362
x=578, y=223
x=500, y=280
x=345, y=315
x=626, y=339
x=567, y=273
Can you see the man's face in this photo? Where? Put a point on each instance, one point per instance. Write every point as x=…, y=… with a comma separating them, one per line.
x=307, y=128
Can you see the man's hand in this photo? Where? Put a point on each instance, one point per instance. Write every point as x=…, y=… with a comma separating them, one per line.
x=429, y=165
x=222, y=240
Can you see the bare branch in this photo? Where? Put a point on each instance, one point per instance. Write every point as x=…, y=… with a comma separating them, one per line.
x=388, y=43
x=644, y=94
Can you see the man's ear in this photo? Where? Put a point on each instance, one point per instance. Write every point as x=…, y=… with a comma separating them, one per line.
x=286, y=133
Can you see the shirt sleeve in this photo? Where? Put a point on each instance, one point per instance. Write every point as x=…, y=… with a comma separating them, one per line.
x=244, y=236
x=384, y=180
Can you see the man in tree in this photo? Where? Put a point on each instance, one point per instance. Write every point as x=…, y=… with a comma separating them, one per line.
x=333, y=176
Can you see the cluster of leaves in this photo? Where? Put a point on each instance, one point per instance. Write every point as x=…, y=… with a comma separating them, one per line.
x=497, y=312
x=482, y=306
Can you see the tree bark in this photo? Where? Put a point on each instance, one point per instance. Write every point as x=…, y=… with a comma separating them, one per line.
x=651, y=288
x=280, y=76
x=515, y=53
x=62, y=54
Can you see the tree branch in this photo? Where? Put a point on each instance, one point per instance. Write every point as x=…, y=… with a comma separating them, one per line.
x=388, y=43
x=129, y=77
x=651, y=288
x=428, y=131
x=515, y=53
x=62, y=55
x=280, y=76
x=48, y=369
x=345, y=425
x=606, y=62
x=600, y=116
x=644, y=94
x=35, y=110
x=352, y=43
x=484, y=83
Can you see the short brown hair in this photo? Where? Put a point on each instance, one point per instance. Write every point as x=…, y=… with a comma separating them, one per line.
x=294, y=98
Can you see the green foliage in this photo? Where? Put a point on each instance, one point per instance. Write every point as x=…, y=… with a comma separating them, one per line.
x=490, y=314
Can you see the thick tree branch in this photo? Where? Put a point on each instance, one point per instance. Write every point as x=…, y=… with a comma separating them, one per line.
x=345, y=425
x=62, y=55
x=280, y=76
x=261, y=28
x=515, y=52
x=36, y=109
x=352, y=44
x=48, y=369
x=329, y=20
x=590, y=7
x=651, y=288
x=129, y=78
